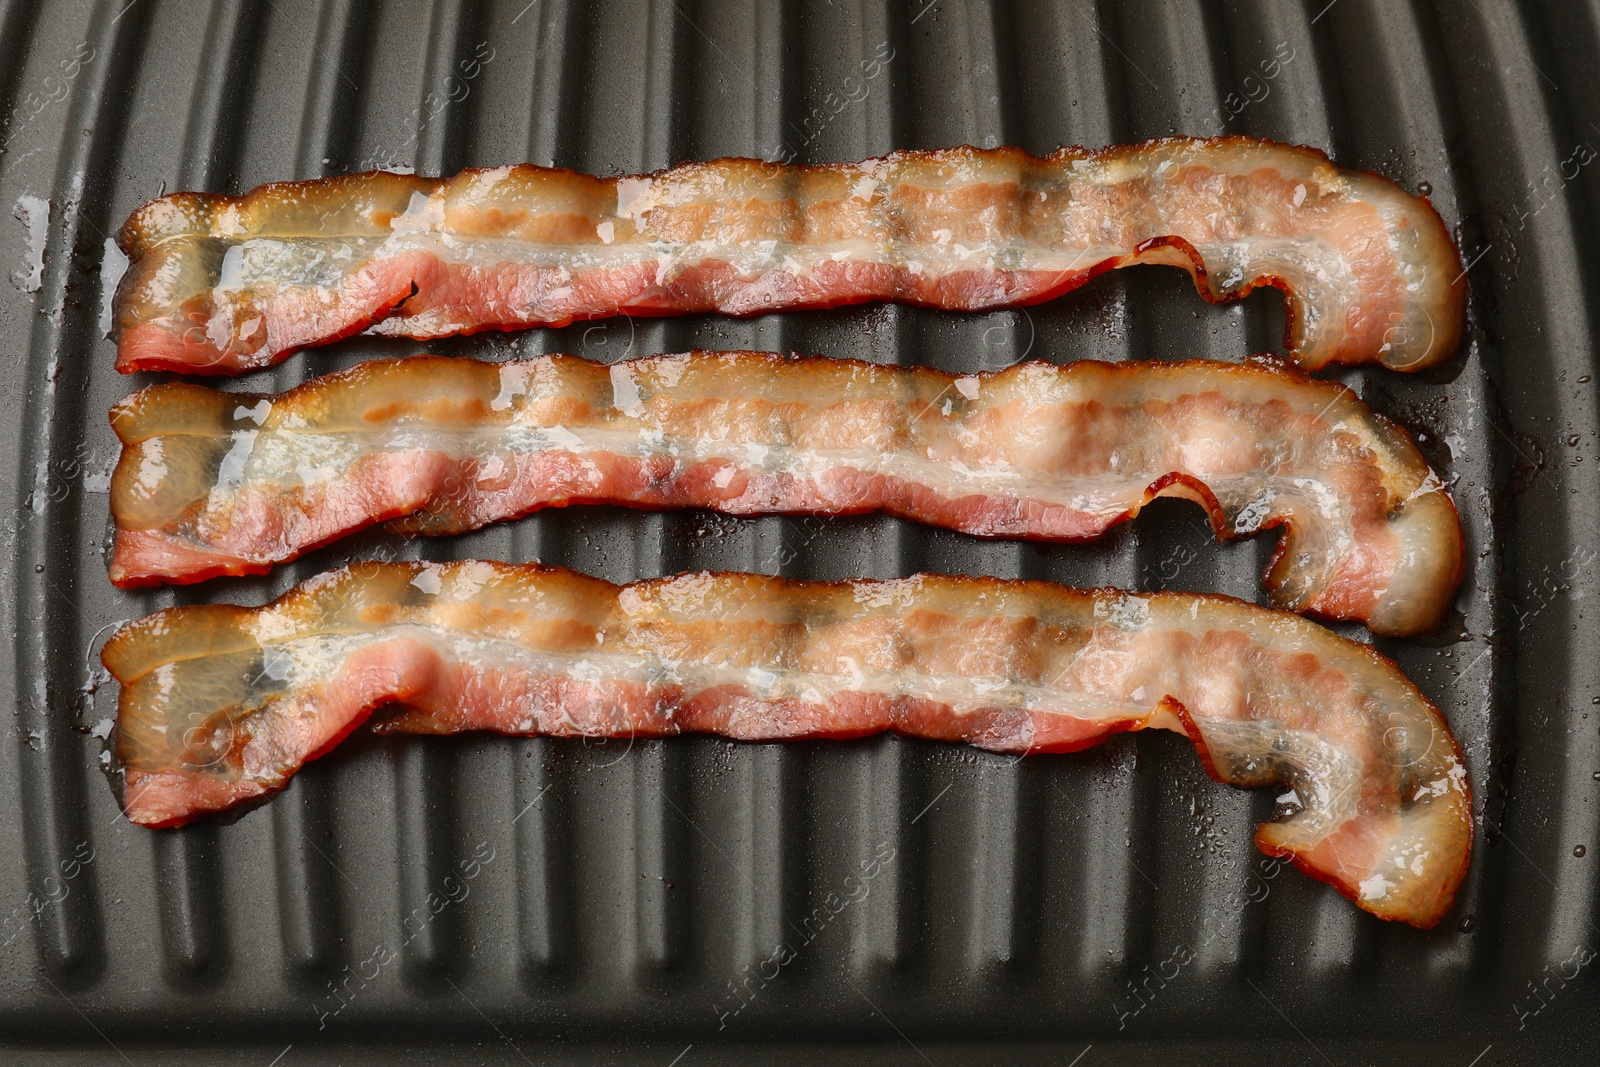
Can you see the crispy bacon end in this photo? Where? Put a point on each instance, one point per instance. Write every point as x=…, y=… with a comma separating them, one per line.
x=222, y=704
x=226, y=284
x=229, y=483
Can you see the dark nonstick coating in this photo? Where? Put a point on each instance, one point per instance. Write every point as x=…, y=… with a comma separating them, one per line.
x=489, y=899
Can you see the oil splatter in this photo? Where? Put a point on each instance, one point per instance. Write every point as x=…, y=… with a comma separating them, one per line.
x=34, y=213
x=113, y=265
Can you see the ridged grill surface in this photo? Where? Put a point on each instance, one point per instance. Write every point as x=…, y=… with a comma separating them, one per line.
x=542, y=900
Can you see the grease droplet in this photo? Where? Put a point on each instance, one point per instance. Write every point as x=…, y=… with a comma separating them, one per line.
x=1467, y=923
x=1578, y=850
x=1425, y=188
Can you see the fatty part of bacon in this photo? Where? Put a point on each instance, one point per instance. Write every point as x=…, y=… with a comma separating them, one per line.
x=221, y=705
x=216, y=483
x=227, y=284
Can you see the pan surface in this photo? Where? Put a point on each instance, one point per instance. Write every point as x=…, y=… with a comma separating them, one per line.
x=486, y=899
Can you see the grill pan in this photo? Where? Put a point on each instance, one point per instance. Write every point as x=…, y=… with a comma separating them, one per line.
x=488, y=899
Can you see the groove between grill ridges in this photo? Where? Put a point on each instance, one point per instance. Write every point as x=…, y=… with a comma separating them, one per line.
x=1537, y=264
x=70, y=937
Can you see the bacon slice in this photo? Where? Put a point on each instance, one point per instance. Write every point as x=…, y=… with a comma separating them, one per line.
x=227, y=284
x=220, y=705
x=229, y=483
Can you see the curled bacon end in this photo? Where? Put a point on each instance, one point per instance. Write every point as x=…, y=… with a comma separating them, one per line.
x=222, y=704
x=227, y=284
x=216, y=483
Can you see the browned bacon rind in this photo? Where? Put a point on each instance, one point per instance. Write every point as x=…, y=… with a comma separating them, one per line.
x=227, y=284
x=216, y=483
x=221, y=704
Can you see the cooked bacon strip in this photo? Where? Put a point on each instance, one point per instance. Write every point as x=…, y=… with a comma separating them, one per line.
x=221, y=704
x=228, y=483
x=226, y=284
